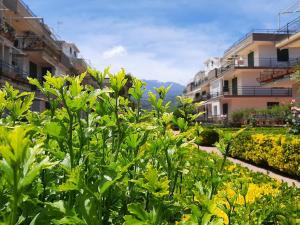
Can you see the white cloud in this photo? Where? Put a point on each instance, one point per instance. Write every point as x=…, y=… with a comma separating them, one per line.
x=114, y=52
x=150, y=51
x=159, y=39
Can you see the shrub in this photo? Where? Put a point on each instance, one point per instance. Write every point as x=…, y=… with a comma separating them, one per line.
x=208, y=137
x=281, y=152
x=237, y=118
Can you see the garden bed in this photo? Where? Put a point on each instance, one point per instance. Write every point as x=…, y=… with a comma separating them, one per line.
x=95, y=157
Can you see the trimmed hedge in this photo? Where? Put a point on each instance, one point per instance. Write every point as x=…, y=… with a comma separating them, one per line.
x=208, y=137
x=281, y=152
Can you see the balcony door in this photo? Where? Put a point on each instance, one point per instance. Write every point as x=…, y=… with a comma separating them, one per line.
x=225, y=109
x=251, y=59
x=283, y=55
x=234, y=86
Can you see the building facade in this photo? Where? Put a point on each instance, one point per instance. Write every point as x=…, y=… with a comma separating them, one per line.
x=237, y=80
x=28, y=48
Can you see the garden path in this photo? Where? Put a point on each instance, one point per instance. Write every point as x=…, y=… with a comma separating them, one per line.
x=253, y=168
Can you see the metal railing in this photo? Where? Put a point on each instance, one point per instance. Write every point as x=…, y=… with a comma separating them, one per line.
x=248, y=91
x=271, y=76
x=271, y=63
x=9, y=69
x=291, y=27
x=254, y=31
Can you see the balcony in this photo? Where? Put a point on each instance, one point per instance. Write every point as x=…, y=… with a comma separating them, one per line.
x=37, y=43
x=7, y=31
x=251, y=91
x=258, y=35
x=270, y=76
x=79, y=64
x=12, y=71
x=65, y=60
x=258, y=63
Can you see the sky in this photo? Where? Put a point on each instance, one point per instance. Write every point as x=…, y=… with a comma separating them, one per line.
x=165, y=40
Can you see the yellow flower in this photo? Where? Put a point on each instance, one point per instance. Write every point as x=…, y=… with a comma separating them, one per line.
x=231, y=167
x=185, y=218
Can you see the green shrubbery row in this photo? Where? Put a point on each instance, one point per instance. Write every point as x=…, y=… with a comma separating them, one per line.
x=281, y=152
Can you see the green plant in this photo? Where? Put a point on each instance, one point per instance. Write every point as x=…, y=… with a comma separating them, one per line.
x=96, y=157
x=208, y=137
x=280, y=152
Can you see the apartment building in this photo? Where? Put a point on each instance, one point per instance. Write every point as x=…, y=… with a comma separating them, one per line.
x=291, y=43
x=234, y=81
x=28, y=48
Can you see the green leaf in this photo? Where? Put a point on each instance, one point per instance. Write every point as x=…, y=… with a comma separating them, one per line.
x=137, y=210
x=55, y=129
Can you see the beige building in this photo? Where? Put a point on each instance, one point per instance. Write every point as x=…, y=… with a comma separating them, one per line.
x=28, y=48
x=286, y=78
x=234, y=82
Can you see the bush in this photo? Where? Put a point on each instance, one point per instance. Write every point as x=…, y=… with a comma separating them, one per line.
x=276, y=115
x=281, y=152
x=208, y=137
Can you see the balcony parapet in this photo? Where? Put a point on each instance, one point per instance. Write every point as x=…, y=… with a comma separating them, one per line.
x=249, y=91
x=13, y=72
x=258, y=35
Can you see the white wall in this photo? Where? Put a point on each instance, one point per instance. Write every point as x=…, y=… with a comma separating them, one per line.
x=248, y=78
x=216, y=86
x=216, y=105
x=294, y=53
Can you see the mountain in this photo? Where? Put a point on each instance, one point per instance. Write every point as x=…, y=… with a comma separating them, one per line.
x=175, y=90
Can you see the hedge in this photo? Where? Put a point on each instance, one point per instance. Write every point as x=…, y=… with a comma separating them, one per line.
x=281, y=152
x=208, y=137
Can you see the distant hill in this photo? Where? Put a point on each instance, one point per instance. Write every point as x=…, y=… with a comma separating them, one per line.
x=175, y=90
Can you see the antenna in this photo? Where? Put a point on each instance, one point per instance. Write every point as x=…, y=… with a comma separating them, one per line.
x=293, y=8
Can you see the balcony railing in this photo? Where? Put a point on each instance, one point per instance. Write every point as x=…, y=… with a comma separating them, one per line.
x=271, y=63
x=258, y=31
x=274, y=75
x=248, y=91
x=11, y=70
x=291, y=27
x=37, y=43
x=7, y=30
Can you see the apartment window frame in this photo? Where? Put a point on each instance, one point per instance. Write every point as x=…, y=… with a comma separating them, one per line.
x=283, y=55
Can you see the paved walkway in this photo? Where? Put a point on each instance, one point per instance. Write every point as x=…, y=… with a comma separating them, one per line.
x=254, y=168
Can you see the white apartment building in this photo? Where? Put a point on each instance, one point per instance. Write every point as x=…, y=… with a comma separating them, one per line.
x=234, y=83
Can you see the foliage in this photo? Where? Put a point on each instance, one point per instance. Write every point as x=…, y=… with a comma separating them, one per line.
x=208, y=137
x=96, y=157
x=254, y=117
x=280, y=152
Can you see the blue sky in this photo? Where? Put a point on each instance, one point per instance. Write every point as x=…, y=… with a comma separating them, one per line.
x=165, y=40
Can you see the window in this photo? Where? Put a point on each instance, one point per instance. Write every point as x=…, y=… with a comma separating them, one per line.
x=282, y=55
x=215, y=110
x=272, y=104
x=225, y=109
x=226, y=86
x=251, y=59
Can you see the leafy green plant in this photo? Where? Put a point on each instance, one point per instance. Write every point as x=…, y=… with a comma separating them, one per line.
x=96, y=157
